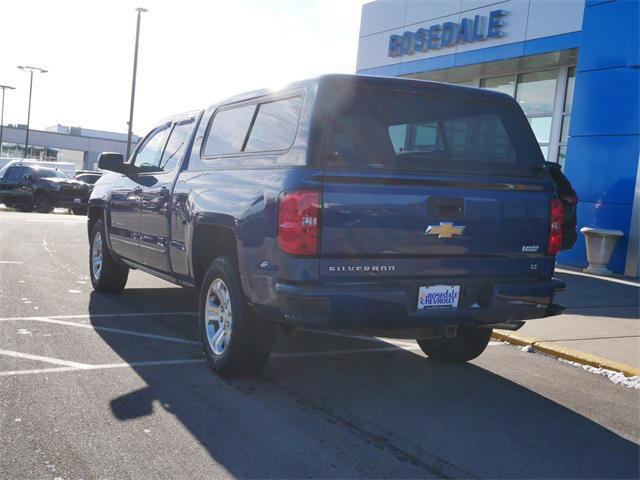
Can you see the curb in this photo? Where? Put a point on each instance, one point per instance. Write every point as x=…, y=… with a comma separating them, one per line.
x=566, y=353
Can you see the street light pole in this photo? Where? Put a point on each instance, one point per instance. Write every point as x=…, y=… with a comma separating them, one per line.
x=30, y=70
x=3, y=87
x=133, y=83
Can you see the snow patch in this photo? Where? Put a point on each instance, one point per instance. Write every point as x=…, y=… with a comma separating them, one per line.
x=528, y=349
x=616, y=377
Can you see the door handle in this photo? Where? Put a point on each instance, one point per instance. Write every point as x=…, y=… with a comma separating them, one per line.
x=137, y=190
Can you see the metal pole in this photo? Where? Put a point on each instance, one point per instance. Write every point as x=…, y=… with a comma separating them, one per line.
x=4, y=88
x=26, y=142
x=30, y=69
x=133, y=83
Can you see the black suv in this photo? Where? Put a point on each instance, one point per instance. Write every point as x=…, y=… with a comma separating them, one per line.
x=28, y=186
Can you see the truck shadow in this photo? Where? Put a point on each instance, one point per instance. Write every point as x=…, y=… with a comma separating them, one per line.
x=389, y=413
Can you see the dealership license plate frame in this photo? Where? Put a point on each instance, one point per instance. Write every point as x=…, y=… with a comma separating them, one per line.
x=453, y=292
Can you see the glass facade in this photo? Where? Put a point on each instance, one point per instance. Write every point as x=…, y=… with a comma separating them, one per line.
x=545, y=97
x=566, y=115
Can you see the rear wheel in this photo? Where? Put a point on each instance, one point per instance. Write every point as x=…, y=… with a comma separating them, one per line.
x=107, y=275
x=235, y=340
x=43, y=203
x=468, y=344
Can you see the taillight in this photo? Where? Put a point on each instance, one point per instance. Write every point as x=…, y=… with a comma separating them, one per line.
x=555, y=227
x=298, y=222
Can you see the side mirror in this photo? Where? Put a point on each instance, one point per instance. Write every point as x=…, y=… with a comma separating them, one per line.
x=111, y=161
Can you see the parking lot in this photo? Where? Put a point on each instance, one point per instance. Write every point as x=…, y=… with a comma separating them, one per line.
x=98, y=386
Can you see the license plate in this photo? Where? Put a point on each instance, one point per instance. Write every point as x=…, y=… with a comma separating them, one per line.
x=77, y=200
x=438, y=296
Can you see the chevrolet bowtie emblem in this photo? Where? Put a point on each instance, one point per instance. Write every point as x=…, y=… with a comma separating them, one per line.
x=444, y=230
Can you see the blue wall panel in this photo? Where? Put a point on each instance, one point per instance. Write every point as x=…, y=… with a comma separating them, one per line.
x=553, y=43
x=611, y=30
x=606, y=102
x=604, y=143
x=602, y=169
x=537, y=46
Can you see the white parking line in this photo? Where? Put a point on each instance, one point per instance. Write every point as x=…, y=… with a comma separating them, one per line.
x=10, y=262
x=115, y=330
x=13, y=373
x=55, y=361
x=57, y=220
x=100, y=315
x=87, y=367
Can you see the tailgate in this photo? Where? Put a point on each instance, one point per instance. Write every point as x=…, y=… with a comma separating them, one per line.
x=377, y=215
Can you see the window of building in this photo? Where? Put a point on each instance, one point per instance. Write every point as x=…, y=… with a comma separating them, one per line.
x=566, y=115
x=228, y=131
x=275, y=125
x=505, y=84
x=545, y=97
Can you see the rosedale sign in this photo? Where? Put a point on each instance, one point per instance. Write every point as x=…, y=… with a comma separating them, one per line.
x=448, y=34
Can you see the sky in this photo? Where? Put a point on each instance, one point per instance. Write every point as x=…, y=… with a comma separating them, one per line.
x=192, y=54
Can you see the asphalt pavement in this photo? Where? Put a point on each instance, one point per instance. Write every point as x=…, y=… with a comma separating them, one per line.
x=115, y=386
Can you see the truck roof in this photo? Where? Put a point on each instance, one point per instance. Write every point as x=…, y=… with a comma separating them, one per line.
x=408, y=85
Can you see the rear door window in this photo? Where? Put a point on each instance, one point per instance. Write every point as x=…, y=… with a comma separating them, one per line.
x=275, y=125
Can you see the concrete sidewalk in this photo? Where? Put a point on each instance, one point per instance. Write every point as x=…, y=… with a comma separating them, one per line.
x=602, y=319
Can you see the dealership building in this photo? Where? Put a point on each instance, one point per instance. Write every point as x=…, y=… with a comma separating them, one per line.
x=60, y=143
x=572, y=65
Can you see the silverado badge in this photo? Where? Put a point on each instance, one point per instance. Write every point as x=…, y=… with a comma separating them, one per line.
x=444, y=230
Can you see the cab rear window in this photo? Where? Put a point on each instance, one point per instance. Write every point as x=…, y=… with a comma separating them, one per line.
x=371, y=128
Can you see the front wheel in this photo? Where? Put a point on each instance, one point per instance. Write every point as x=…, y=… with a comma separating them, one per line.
x=107, y=275
x=43, y=203
x=468, y=344
x=234, y=339
x=79, y=210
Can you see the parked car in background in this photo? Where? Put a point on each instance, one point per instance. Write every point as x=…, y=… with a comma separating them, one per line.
x=27, y=186
x=68, y=168
x=88, y=176
x=395, y=207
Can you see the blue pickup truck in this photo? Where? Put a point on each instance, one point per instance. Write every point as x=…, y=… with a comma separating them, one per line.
x=393, y=207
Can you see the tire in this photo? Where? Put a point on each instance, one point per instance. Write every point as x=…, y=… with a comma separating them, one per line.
x=79, y=210
x=468, y=344
x=43, y=203
x=244, y=341
x=109, y=276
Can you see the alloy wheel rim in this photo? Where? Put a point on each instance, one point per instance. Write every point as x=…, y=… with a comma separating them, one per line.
x=218, y=316
x=96, y=256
